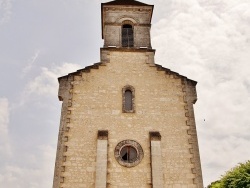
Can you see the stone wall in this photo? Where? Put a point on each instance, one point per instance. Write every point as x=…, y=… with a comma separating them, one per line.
x=114, y=17
x=64, y=95
x=163, y=103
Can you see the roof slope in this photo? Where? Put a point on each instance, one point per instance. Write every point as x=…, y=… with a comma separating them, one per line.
x=125, y=2
x=157, y=66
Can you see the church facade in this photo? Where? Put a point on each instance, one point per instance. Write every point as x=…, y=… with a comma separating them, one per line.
x=127, y=121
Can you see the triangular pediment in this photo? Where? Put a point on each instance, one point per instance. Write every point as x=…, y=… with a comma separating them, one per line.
x=157, y=66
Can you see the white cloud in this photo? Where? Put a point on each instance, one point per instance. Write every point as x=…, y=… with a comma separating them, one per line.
x=19, y=176
x=4, y=123
x=46, y=83
x=208, y=41
x=5, y=11
x=30, y=63
x=43, y=85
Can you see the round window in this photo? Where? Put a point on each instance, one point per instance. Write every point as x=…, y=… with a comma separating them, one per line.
x=128, y=153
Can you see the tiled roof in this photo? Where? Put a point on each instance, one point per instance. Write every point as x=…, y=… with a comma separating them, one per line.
x=125, y=2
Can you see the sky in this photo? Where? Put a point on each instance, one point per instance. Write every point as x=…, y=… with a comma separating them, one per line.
x=41, y=40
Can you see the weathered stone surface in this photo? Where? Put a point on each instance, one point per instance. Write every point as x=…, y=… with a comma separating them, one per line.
x=93, y=119
x=101, y=163
x=156, y=164
x=159, y=100
x=138, y=16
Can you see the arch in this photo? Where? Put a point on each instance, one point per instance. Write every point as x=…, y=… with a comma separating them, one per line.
x=128, y=99
x=123, y=19
x=127, y=34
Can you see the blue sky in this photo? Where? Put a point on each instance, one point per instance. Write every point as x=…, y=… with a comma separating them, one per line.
x=205, y=40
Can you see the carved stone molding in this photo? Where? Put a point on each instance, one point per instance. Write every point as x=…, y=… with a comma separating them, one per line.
x=103, y=135
x=154, y=135
x=135, y=147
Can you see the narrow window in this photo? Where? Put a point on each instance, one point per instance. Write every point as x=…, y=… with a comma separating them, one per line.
x=128, y=93
x=127, y=36
x=128, y=100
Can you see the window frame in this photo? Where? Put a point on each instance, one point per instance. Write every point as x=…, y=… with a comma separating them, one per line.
x=131, y=143
x=129, y=152
x=128, y=22
x=124, y=89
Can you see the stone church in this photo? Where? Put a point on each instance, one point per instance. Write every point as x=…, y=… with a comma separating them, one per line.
x=126, y=121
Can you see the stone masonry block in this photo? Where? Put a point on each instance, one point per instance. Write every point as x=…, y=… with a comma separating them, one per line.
x=94, y=110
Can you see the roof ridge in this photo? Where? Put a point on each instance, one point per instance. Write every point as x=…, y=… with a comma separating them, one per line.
x=126, y=2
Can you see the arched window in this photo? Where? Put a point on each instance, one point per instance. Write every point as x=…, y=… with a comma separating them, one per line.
x=128, y=99
x=127, y=35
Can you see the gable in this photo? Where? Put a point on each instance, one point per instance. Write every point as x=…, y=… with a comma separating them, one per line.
x=157, y=67
x=128, y=68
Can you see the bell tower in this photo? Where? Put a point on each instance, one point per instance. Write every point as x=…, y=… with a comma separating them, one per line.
x=127, y=121
x=126, y=24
